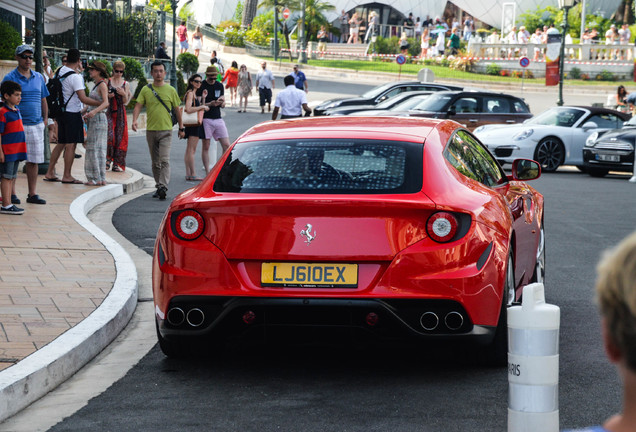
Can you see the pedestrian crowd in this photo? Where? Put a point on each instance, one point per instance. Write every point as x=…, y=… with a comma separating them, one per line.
x=54, y=105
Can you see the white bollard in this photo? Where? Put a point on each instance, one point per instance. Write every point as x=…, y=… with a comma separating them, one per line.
x=533, y=363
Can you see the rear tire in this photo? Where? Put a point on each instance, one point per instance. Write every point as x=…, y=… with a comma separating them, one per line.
x=172, y=349
x=496, y=354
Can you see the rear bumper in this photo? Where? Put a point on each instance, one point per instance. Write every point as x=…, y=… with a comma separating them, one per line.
x=229, y=317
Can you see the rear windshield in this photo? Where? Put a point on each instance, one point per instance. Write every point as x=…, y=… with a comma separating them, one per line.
x=322, y=167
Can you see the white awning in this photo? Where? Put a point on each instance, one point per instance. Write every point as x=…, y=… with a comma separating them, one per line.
x=57, y=17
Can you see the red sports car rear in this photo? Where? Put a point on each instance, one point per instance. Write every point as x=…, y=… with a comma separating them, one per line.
x=390, y=226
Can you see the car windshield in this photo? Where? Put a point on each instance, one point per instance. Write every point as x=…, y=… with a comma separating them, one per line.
x=377, y=91
x=434, y=102
x=410, y=104
x=393, y=100
x=322, y=166
x=630, y=123
x=565, y=117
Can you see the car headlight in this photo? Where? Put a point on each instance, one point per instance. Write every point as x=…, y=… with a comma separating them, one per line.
x=523, y=135
x=479, y=129
x=332, y=105
x=589, y=142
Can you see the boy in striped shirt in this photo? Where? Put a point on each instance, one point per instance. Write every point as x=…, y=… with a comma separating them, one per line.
x=12, y=144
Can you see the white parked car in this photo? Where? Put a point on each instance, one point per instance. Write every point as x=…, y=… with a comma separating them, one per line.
x=553, y=138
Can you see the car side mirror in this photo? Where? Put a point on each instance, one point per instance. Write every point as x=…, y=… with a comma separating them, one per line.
x=525, y=169
x=451, y=111
x=589, y=126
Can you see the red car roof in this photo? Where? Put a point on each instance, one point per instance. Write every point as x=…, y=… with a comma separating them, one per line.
x=389, y=128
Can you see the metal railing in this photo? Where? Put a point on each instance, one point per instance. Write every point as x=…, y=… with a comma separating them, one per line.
x=102, y=31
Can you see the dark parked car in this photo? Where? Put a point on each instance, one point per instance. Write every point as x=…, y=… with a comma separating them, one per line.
x=391, y=102
x=382, y=93
x=612, y=150
x=469, y=108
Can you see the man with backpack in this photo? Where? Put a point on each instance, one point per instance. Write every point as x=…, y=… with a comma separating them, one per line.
x=66, y=105
x=34, y=111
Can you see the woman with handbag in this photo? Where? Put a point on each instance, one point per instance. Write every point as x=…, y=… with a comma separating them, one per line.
x=192, y=118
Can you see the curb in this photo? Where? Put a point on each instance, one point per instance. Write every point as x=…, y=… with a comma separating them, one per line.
x=50, y=366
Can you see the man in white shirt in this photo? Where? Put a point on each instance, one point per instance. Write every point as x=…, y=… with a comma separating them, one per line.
x=291, y=102
x=70, y=123
x=265, y=83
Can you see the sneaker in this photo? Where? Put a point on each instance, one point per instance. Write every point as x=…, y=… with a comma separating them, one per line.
x=156, y=194
x=13, y=210
x=15, y=199
x=162, y=192
x=35, y=199
x=633, y=179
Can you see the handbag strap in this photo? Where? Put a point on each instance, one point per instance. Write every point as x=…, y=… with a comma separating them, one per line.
x=162, y=102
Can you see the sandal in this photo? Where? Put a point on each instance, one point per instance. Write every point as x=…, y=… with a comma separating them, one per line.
x=107, y=166
x=116, y=168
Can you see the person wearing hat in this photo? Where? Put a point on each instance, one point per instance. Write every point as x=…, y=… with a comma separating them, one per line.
x=70, y=123
x=35, y=115
x=300, y=80
x=212, y=95
x=96, y=127
x=160, y=100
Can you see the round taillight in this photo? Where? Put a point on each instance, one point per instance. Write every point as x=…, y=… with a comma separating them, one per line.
x=442, y=227
x=189, y=225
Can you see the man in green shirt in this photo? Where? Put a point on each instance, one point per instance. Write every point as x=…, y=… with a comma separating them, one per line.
x=159, y=124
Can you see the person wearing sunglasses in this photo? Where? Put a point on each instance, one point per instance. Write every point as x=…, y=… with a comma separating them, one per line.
x=35, y=116
x=192, y=103
x=118, y=97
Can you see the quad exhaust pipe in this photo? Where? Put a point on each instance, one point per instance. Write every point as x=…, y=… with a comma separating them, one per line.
x=176, y=317
x=452, y=320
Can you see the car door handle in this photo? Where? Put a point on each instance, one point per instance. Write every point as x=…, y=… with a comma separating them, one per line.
x=511, y=121
x=473, y=120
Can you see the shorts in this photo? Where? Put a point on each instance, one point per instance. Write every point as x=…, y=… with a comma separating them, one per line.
x=35, y=142
x=9, y=170
x=197, y=44
x=264, y=95
x=215, y=128
x=70, y=128
x=322, y=46
x=184, y=45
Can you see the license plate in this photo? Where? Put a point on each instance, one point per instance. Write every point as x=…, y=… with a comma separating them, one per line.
x=309, y=275
x=608, y=158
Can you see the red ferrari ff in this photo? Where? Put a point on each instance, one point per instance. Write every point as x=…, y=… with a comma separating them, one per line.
x=393, y=226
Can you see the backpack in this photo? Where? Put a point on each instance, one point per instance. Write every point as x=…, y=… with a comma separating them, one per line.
x=55, y=99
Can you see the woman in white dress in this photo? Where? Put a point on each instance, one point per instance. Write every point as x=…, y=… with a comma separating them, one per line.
x=424, y=43
x=197, y=41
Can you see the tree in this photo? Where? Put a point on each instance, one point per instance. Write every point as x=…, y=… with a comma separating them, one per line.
x=162, y=5
x=314, y=17
x=9, y=39
x=188, y=63
x=249, y=12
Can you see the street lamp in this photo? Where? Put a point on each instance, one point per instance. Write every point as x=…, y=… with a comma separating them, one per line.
x=565, y=5
x=173, y=67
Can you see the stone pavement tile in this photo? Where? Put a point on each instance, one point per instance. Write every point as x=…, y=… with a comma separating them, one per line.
x=53, y=273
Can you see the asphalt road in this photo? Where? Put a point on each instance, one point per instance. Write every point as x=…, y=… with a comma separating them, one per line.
x=299, y=385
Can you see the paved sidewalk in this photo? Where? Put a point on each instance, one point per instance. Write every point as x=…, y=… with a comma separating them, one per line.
x=54, y=273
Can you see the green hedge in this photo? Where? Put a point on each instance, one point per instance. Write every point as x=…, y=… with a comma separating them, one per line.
x=9, y=40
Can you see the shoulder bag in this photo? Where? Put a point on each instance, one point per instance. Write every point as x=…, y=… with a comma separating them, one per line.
x=172, y=113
